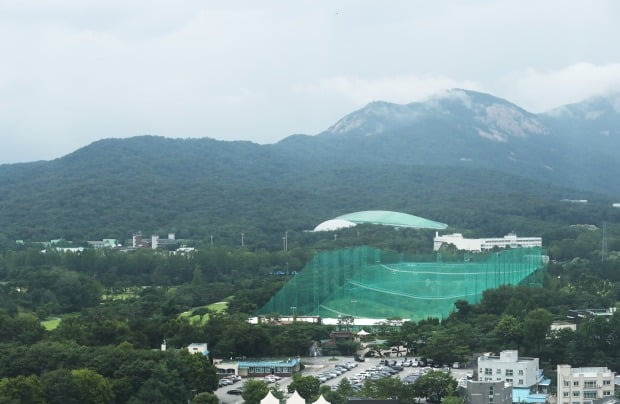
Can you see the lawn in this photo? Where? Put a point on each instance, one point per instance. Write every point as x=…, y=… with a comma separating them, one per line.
x=202, y=319
x=51, y=323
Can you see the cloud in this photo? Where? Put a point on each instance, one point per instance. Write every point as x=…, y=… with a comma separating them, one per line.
x=399, y=89
x=540, y=91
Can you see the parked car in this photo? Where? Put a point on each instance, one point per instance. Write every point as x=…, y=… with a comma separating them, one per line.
x=236, y=392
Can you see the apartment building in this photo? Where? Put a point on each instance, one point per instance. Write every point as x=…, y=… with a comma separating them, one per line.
x=583, y=385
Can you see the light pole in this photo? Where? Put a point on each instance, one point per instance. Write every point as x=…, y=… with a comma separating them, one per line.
x=242, y=240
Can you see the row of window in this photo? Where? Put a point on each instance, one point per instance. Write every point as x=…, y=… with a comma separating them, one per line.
x=587, y=393
x=277, y=369
x=509, y=372
x=588, y=384
x=509, y=380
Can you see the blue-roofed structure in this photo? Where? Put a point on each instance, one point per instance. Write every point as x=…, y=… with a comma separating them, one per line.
x=520, y=395
x=276, y=367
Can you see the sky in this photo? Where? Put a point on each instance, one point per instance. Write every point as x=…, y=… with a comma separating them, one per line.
x=75, y=71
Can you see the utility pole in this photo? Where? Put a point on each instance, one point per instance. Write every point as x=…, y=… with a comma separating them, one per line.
x=212, y=240
x=286, y=241
x=242, y=244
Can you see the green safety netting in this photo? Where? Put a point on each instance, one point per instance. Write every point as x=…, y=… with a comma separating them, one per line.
x=369, y=283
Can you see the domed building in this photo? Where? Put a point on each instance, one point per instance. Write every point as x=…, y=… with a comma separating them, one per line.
x=381, y=217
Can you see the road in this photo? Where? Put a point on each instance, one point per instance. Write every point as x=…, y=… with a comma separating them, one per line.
x=314, y=366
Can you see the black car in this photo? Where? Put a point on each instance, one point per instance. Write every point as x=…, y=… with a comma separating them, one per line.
x=236, y=392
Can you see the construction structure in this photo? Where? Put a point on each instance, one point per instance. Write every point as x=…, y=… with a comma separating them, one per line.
x=364, y=282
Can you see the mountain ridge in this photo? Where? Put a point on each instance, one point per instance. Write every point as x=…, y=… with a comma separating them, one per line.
x=435, y=164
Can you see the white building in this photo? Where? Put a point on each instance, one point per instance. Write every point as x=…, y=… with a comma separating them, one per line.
x=198, y=348
x=480, y=244
x=563, y=325
x=582, y=385
x=510, y=368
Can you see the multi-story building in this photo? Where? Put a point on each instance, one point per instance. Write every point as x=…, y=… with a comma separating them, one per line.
x=478, y=392
x=583, y=385
x=482, y=244
x=509, y=367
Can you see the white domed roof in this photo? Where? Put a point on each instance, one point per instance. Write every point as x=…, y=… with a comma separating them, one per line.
x=334, y=224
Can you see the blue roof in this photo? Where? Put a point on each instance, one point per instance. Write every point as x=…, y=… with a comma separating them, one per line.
x=520, y=395
x=270, y=363
x=544, y=382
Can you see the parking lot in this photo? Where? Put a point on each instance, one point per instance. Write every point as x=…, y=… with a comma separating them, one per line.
x=322, y=365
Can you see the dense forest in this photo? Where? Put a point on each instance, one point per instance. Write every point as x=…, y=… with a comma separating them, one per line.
x=76, y=323
x=115, y=309
x=201, y=187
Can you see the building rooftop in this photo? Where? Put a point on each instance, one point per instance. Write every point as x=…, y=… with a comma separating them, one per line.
x=520, y=395
x=389, y=218
x=590, y=371
x=269, y=363
x=381, y=217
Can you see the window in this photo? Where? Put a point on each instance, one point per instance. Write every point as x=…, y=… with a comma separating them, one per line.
x=576, y=383
x=520, y=381
x=589, y=384
x=576, y=393
x=508, y=372
x=589, y=394
x=606, y=382
x=488, y=371
x=520, y=372
x=565, y=394
x=607, y=393
x=498, y=371
x=566, y=383
x=509, y=380
x=490, y=390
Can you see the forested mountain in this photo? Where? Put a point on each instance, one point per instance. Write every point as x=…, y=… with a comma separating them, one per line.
x=571, y=146
x=467, y=159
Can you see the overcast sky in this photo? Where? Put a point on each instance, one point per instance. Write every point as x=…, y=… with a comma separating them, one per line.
x=74, y=71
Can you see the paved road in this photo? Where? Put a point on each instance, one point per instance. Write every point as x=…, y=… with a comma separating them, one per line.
x=314, y=366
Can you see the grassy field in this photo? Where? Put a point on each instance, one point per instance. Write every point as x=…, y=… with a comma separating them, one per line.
x=202, y=319
x=51, y=323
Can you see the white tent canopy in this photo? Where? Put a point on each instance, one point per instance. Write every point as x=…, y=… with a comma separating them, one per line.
x=362, y=333
x=295, y=399
x=321, y=400
x=270, y=399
